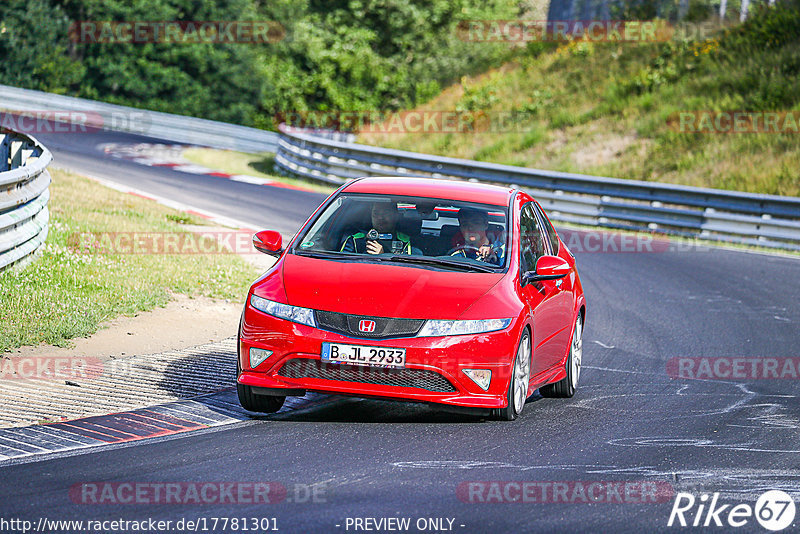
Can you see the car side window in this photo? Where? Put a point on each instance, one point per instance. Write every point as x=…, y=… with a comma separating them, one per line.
x=531, y=237
x=551, y=232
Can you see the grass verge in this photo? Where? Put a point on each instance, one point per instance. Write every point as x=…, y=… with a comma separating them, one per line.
x=66, y=294
x=260, y=165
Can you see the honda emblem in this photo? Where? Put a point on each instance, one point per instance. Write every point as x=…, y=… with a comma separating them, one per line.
x=366, y=325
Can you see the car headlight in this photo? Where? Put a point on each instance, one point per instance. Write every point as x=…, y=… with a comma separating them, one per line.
x=435, y=328
x=284, y=311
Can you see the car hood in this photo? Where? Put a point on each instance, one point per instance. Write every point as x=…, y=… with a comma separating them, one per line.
x=382, y=290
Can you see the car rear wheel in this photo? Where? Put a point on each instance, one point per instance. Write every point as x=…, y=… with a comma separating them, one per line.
x=566, y=387
x=257, y=403
x=520, y=380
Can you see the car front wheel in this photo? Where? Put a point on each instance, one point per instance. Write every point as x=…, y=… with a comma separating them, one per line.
x=520, y=380
x=257, y=403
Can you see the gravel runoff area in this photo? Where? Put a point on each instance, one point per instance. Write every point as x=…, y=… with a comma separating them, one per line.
x=42, y=389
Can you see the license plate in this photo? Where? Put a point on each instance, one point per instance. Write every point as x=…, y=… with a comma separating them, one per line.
x=362, y=355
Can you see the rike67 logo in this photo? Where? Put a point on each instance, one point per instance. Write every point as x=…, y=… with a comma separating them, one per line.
x=774, y=510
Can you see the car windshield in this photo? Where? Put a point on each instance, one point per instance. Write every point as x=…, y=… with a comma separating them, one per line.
x=418, y=231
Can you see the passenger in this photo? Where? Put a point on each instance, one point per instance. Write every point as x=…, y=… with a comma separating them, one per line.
x=383, y=236
x=474, y=240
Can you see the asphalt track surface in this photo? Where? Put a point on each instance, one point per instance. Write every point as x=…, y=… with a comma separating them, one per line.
x=629, y=422
x=278, y=208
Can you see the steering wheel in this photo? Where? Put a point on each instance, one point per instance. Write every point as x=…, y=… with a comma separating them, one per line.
x=459, y=248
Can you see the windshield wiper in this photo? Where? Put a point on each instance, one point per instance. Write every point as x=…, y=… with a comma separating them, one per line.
x=329, y=255
x=441, y=262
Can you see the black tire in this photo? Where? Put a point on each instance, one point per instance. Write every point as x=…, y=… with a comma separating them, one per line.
x=510, y=412
x=566, y=387
x=256, y=403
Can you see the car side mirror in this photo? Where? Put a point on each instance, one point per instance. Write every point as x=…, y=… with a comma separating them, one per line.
x=268, y=242
x=547, y=268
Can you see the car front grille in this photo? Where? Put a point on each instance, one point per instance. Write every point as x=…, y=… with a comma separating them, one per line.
x=385, y=376
x=385, y=327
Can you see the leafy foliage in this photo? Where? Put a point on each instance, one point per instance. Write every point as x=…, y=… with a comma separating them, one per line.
x=34, y=46
x=349, y=55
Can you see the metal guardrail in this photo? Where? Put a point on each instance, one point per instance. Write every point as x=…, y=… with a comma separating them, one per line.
x=713, y=214
x=730, y=216
x=166, y=126
x=24, y=193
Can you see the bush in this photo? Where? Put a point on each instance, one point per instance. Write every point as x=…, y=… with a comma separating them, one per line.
x=346, y=55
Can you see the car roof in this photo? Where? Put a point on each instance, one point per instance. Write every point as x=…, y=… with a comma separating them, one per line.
x=433, y=188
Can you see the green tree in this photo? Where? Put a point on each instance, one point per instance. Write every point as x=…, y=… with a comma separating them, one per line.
x=345, y=55
x=209, y=80
x=34, y=47
x=373, y=54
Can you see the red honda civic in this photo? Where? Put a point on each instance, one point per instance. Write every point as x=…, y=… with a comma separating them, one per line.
x=415, y=289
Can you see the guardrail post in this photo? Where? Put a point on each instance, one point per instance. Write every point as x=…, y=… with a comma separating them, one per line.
x=28, y=150
x=15, y=155
x=5, y=139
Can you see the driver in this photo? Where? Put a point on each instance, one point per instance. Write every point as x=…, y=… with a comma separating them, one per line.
x=383, y=236
x=474, y=240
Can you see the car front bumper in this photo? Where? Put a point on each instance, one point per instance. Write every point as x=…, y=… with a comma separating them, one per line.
x=433, y=369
